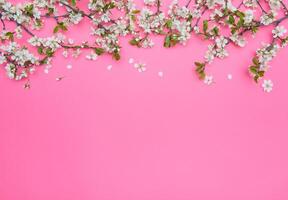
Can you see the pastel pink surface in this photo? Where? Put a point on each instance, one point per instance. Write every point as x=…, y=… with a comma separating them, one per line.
x=125, y=135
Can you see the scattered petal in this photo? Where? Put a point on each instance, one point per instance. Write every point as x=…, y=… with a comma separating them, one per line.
x=70, y=41
x=109, y=67
x=131, y=60
x=229, y=76
x=59, y=78
x=47, y=68
x=46, y=71
x=27, y=85
x=69, y=66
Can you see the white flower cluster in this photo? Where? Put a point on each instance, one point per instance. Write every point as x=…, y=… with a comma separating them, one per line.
x=268, y=18
x=52, y=42
x=217, y=49
x=21, y=13
x=266, y=54
x=180, y=21
x=275, y=4
x=249, y=16
x=14, y=56
x=150, y=22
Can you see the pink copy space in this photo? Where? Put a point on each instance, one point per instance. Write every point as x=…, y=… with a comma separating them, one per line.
x=125, y=135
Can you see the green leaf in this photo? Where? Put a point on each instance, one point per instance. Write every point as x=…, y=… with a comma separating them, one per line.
x=116, y=55
x=240, y=22
x=253, y=69
x=28, y=10
x=167, y=41
x=10, y=35
x=233, y=30
x=62, y=26
x=56, y=29
x=261, y=73
x=200, y=70
x=133, y=18
x=231, y=20
x=240, y=14
x=108, y=6
x=201, y=75
x=38, y=22
x=169, y=24
x=40, y=50
x=215, y=31
x=134, y=42
x=254, y=29
x=255, y=61
x=198, y=64
x=99, y=51
x=49, y=52
x=50, y=11
x=136, y=11
x=256, y=78
x=205, y=26
x=73, y=2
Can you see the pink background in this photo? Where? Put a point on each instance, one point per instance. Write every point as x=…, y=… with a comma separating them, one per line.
x=125, y=135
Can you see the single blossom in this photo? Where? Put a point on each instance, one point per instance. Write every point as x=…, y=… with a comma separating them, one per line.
x=208, y=80
x=279, y=31
x=140, y=67
x=267, y=85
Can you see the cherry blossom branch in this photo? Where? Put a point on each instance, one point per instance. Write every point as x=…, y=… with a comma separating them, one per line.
x=208, y=19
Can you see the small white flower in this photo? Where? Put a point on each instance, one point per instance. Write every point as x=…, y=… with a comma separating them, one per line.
x=279, y=31
x=35, y=41
x=109, y=67
x=275, y=4
x=47, y=68
x=69, y=66
x=18, y=32
x=196, y=29
x=2, y=59
x=248, y=16
x=208, y=80
x=250, y=3
x=70, y=41
x=149, y=2
x=221, y=42
x=140, y=67
x=92, y=56
x=32, y=70
x=160, y=74
x=131, y=60
x=76, y=53
x=268, y=18
x=65, y=53
x=238, y=40
x=267, y=85
x=75, y=18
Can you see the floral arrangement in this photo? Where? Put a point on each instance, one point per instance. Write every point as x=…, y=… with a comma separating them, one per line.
x=219, y=21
